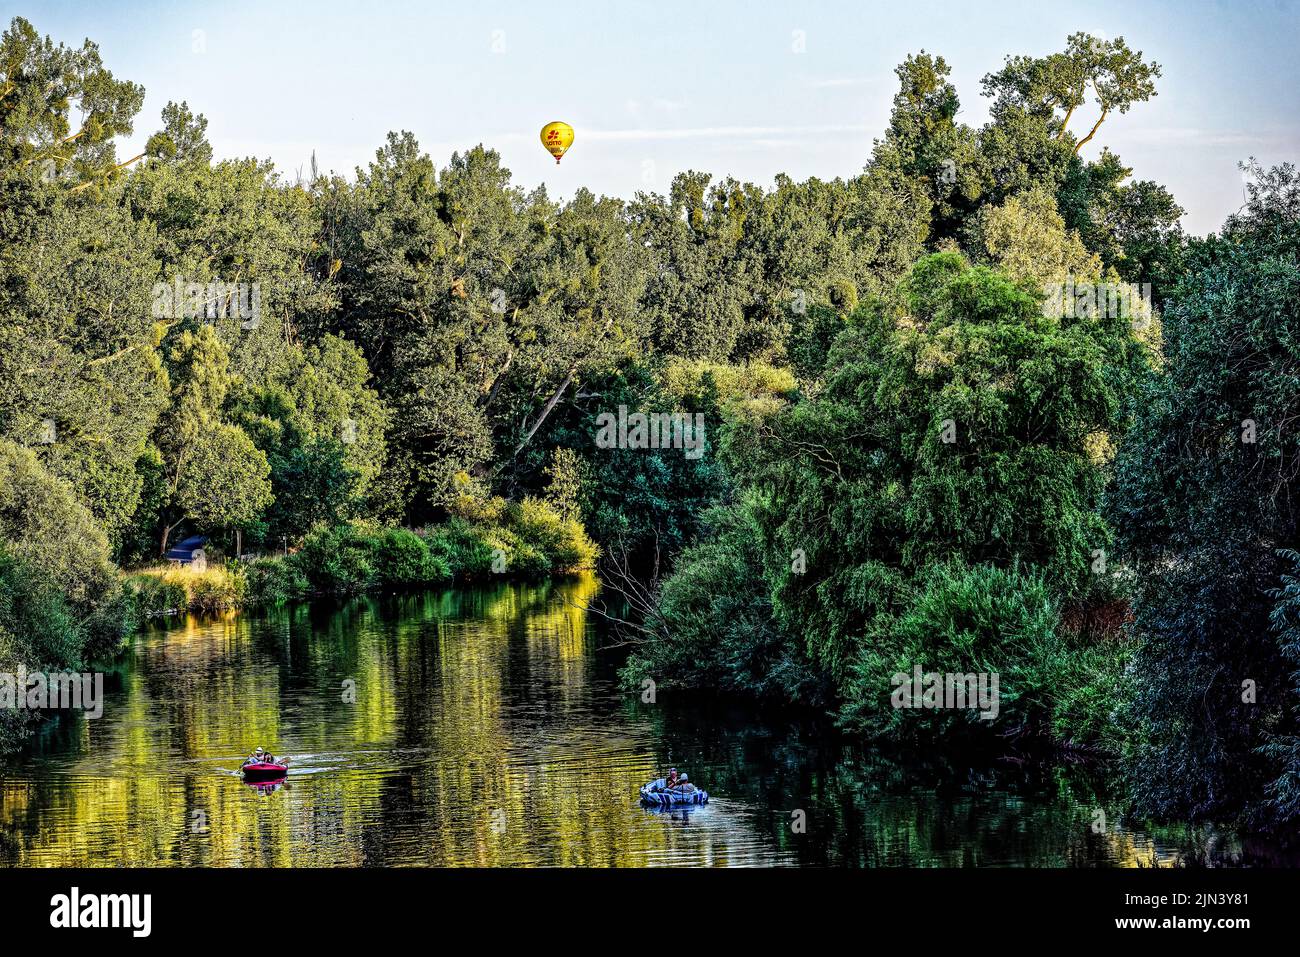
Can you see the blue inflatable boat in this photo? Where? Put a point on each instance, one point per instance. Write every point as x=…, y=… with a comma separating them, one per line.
x=658, y=794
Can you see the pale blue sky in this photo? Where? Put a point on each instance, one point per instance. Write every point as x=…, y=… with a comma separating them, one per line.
x=750, y=88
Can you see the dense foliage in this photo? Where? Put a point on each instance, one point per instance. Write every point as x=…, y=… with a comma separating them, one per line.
x=907, y=455
x=1204, y=499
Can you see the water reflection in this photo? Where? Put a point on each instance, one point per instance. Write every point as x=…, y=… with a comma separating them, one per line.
x=484, y=727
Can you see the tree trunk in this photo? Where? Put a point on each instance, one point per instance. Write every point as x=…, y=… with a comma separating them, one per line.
x=546, y=410
x=167, y=530
x=1091, y=133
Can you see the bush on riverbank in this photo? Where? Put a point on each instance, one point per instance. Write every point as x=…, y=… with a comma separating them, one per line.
x=1052, y=686
x=349, y=559
x=36, y=628
x=528, y=539
x=56, y=539
x=487, y=537
x=60, y=601
x=168, y=589
x=718, y=626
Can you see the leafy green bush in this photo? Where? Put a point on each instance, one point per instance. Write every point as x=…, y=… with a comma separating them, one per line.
x=348, y=559
x=337, y=561
x=465, y=547
x=916, y=450
x=559, y=544
x=716, y=628
x=987, y=620
x=402, y=559
x=37, y=627
x=274, y=581
x=37, y=630
x=528, y=539
x=54, y=536
x=528, y=562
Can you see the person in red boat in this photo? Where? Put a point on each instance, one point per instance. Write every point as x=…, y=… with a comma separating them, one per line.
x=257, y=757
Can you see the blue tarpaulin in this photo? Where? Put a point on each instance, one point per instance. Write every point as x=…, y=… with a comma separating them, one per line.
x=183, y=552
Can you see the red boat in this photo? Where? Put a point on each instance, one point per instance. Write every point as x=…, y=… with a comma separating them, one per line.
x=262, y=771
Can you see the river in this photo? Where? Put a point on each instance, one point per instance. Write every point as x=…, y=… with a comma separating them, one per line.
x=486, y=727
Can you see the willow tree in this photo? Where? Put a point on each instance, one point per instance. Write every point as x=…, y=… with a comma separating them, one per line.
x=1206, y=496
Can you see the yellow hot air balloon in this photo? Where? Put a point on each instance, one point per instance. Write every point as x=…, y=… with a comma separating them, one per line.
x=557, y=137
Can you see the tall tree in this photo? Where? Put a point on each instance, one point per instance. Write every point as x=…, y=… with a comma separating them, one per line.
x=42, y=86
x=1205, y=498
x=214, y=473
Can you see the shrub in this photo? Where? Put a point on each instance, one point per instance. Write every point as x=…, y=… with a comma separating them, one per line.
x=528, y=561
x=353, y=558
x=274, y=581
x=52, y=534
x=562, y=544
x=982, y=619
x=401, y=558
x=38, y=629
x=718, y=629
x=337, y=561
x=466, y=548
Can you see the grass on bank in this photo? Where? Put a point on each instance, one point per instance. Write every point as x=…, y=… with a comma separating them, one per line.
x=484, y=538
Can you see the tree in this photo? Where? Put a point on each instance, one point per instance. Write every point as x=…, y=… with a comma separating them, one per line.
x=80, y=380
x=41, y=85
x=960, y=427
x=183, y=138
x=1026, y=239
x=1204, y=500
x=1133, y=226
x=931, y=146
x=234, y=246
x=215, y=475
x=1059, y=84
x=322, y=429
x=44, y=526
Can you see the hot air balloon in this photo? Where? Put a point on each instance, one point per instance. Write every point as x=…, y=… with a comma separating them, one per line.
x=557, y=137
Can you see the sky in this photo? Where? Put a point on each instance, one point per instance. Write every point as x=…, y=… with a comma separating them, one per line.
x=748, y=89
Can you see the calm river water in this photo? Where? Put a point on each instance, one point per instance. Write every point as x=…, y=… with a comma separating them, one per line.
x=488, y=729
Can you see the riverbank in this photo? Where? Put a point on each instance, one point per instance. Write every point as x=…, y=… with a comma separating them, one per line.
x=70, y=607
x=489, y=729
x=527, y=541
